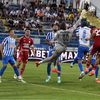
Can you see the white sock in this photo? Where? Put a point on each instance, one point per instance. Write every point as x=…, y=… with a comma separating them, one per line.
x=58, y=78
x=40, y=62
x=96, y=79
x=82, y=72
x=49, y=77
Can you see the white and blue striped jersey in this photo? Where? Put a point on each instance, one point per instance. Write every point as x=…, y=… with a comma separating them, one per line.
x=50, y=36
x=84, y=33
x=8, y=46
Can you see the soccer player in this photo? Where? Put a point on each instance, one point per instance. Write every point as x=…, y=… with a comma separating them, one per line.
x=95, y=49
x=84, y=44
x=24, y=44
x=49, y=38
x=93, y=60
x=7, y=51
x=61, y=40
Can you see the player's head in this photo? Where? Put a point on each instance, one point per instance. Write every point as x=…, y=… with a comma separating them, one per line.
x=11, y=32
x=96, y=30
x=55, y=27
x=27, y=33
x=84, y=22
x=63, y=26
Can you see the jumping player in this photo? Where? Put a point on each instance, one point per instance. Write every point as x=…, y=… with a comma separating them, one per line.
x=84, y=44
x=61, y=40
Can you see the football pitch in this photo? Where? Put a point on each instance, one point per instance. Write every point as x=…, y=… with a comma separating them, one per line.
x=71, y=87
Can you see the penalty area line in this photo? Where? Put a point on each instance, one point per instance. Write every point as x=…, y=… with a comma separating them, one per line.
x=65, y=90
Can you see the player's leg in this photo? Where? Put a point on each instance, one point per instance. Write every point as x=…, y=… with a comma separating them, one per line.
x=72, y=63
x=19, y=61
x=97, y=74
x=16, y=71
x=95, y=65
x=89, y=69
x=24, y=60
x=48, y=72
x=56, y=65
x=88, y=62
x=59, y=69
x=96, y=60
x=79, y=57
x=53, y=58
x=94, y=51
x=81, y=52
x=49, y=67
x=5, y=60
x=23, y=68
x=93, y=62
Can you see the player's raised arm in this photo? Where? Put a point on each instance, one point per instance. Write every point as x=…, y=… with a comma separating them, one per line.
x=76, y=24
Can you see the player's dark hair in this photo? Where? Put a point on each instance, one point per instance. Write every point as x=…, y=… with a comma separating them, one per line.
x=10, y=30
x=56, y=24
x=84, y=22
x=63, y=26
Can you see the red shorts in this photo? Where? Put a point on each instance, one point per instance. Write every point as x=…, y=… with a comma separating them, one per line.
x=23, y=57
x=95, y=49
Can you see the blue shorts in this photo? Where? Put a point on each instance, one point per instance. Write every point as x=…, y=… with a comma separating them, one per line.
x=8, y=59
x=81, y=51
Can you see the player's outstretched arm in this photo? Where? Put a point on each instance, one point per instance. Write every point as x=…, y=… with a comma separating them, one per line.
x=76, y=24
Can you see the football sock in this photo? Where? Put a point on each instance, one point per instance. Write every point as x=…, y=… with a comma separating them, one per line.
x=2, y=70
x=22, y=69
x=49, y=69
x=80, y=66
x=59, y=69
x=96, y=72
x=16, y=71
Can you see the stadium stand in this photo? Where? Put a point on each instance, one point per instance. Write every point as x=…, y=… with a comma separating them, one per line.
x=36, y=16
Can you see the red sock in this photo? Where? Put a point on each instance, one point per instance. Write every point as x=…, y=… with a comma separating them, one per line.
x=87, y=64
x=22, y=69
x=94, y=67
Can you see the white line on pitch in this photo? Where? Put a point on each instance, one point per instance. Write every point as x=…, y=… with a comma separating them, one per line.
x=61, y=89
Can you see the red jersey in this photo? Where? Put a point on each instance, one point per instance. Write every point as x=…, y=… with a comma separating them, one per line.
x=25, y=43
x=97, y=37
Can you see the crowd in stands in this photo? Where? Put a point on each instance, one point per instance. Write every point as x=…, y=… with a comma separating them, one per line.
x=35, y=15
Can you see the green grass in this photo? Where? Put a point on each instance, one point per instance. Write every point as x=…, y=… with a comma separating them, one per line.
x=36, y=88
